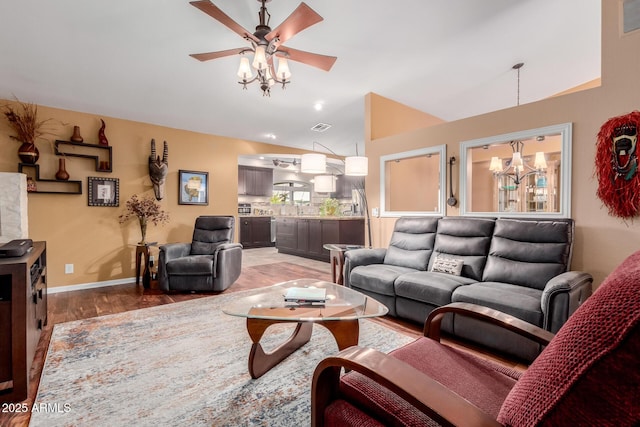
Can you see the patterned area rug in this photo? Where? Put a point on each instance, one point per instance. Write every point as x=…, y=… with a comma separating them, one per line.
x=180, y=364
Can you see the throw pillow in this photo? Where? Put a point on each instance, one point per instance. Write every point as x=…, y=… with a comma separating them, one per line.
x=447, y=265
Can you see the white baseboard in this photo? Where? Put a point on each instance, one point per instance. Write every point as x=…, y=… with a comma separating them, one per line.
x=93, y=285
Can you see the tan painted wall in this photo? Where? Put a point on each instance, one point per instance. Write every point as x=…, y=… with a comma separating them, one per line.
x=91, y=238
x=601, y=241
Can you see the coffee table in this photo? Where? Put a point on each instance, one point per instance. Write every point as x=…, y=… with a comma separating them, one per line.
x=340, y=315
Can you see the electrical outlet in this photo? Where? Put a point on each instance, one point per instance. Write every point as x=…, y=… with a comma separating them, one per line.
x=68, y=269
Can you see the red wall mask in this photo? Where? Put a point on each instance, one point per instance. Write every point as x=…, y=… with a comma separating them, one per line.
x=617, y=165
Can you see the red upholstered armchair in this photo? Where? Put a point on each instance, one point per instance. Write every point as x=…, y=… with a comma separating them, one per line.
x=589, y=373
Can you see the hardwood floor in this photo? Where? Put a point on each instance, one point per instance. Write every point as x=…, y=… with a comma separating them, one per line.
x=261, y=267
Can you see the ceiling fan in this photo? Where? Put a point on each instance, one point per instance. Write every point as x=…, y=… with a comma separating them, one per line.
x=284, y=164
x=267, y=44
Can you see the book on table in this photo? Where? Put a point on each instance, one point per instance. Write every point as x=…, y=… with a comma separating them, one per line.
x=306, y=295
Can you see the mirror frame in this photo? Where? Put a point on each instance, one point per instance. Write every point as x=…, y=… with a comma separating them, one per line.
x=564, y=129
x=438, y=149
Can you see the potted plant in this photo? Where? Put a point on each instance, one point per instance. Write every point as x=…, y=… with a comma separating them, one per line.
x=329, y=207
x=145, y=209
x=23, y=120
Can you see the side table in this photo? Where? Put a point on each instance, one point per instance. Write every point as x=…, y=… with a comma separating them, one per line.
x=336, y=258
x=142, y=252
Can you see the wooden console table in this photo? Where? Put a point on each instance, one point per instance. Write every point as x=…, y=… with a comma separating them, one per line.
x=23, y=314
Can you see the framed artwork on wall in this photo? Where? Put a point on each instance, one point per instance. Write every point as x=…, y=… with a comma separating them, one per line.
x=193, y=188
x=104, y=191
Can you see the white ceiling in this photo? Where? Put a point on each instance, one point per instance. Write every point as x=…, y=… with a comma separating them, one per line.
x=450, y=58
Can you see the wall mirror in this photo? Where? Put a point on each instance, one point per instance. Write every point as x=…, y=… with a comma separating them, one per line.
x=413, y=182
x=526, y=173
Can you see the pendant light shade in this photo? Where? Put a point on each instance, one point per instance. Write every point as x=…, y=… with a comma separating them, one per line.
x=313, y=163
x=540, y=162
x=324, y=184
x=356, y=166
x=283, y=72
x=260, y=58
x=496, y=165
x=244, y=71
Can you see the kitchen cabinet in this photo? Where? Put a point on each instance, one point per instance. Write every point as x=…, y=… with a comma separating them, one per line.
x=306, y=236
x=255, y=231
x=23, y=314
x=254, y=181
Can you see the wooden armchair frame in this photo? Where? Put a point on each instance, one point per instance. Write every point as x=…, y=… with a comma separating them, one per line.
x=427, y=395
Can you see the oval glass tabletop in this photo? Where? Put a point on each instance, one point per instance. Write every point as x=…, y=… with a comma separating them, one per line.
x=341, y=304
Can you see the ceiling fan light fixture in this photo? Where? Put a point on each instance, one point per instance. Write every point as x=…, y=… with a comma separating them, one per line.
x=313, y=163
x=356, y=166
x=260, y=58
x=244, y=70
x=283, y=72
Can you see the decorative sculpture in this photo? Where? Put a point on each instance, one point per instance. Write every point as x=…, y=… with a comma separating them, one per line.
x=617, y=165
x=158, y=169
x=102, y=138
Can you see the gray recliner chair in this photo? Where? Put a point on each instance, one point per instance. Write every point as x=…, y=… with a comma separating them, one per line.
x=211, y=262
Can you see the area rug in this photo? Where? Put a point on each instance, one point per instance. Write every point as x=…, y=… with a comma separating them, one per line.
x=180, y=364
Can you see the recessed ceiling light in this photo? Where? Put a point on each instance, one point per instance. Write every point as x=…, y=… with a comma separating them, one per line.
x=270, y=136
x=318, y=106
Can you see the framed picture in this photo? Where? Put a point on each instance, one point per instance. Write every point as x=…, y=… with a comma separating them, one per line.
x=104, y=191
x=193, y=188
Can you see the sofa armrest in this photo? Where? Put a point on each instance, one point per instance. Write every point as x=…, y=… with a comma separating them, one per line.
x=562, y=295
x=171, y=251
x=357, y=257
x=166, y=253
x=227, y=264
x=488, y=315
x=427, y=395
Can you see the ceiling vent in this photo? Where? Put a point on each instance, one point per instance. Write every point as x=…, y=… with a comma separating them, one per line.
x=320, y=127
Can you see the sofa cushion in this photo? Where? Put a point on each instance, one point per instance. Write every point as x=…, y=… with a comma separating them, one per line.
x=411, y=243
x=519, y=301
x=429, y=287
x=529, y=252
x=191, y=266
x=378, y=278
x=210, y=232
x=464, y=238
x=481, y=382
x=447, y=265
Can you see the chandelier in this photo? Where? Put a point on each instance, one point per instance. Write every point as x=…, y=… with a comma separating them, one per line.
x=263, y=59
x=517, y=169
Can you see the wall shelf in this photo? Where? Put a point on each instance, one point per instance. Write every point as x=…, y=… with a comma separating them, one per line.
x=51, y=186
x=102, y=157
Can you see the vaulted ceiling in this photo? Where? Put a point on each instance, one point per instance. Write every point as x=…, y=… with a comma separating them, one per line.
x=450, y=58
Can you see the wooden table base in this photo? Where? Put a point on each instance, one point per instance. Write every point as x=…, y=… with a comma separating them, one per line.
x=345, y=332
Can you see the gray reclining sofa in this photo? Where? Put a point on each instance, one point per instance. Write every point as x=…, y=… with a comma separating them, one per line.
x=518, y=266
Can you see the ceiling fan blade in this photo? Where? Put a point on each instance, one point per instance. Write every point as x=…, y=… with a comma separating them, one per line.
x=219, y=54
x=301, y=18
x=323, y=62
x=213, y=11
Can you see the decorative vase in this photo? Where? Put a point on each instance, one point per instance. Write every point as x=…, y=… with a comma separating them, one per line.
x=143, y=230
x=76, y=137
x=62, y=173
x=102, y=138
x=28, y=153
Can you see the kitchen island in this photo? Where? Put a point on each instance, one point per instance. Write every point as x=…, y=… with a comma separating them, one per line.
x=305, y=236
